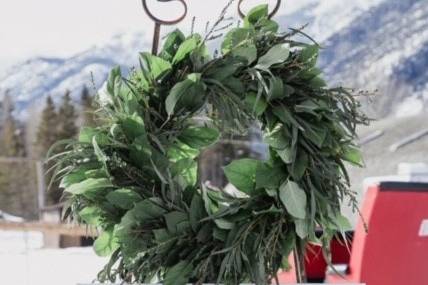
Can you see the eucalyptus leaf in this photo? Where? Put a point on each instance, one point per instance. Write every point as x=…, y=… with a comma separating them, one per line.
x=277, y=54
x=185, y=48
x=257, y=105
x=199, y=137
x=242, y=174
x=172, y=43
x=106, y=243
x=353, y=155
x=123, y=198
x=89, y=187
x=269, y=176
x=235, y=38
x=276, y=89
x=256, y=14
x=188, y=94
x=155, y=66
x=178, y=274
x=91, y=215
x=293, y=198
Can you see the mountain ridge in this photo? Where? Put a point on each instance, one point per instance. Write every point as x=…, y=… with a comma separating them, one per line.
x=355, y=53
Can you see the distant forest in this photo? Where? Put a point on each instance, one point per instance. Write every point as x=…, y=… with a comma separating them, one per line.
x=24, y=143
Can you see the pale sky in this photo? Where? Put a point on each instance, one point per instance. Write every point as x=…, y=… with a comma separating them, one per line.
x=62, y=28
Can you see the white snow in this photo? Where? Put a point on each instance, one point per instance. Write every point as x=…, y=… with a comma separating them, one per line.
x=410, y=106
x=23, y=261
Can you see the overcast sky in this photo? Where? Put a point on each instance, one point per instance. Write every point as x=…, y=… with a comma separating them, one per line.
x=64, y=27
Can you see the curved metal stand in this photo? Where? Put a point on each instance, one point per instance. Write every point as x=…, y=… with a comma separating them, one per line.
x=159, y=22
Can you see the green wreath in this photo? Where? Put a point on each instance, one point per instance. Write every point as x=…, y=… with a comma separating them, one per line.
x=136, y=176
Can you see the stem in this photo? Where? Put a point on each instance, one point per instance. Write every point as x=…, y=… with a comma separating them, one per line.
x=299, y=261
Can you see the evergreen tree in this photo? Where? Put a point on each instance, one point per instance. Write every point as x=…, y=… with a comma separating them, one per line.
x=87, y=108
x=15, y=190
x=12, y=139
x=67, y=117
x=47, y=133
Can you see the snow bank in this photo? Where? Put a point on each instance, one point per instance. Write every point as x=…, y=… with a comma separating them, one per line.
x=24, y=262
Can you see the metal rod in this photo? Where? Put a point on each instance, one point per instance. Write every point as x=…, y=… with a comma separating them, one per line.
x=41, y=186
x=159, y=22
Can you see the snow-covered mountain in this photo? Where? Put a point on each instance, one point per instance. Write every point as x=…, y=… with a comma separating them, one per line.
x=386, y=49
x=368, y=43
x=29, y=82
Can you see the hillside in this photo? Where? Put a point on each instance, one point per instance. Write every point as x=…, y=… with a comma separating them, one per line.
x=386, y=49
x=30, y=81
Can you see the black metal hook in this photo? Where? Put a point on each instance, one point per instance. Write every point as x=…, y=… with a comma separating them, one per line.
x=158, y=22
x=271, y=14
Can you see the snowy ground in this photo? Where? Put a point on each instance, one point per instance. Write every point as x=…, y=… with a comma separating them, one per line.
x=24, y=262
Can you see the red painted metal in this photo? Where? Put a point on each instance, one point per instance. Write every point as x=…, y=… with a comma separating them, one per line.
x=393, y=252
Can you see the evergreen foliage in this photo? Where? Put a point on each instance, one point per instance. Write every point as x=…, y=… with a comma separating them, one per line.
x=12, y=139
x=135, y=177
x=88, y=109
x=47, y=133
x=67, y=117
x=15, y=171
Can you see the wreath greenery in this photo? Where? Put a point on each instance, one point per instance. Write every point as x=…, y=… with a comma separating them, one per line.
x=136, y=176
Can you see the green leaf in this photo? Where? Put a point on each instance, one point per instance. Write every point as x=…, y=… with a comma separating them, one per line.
x=161, y=235
x=275, y=137
x=73, y=178
x=106, y=244
x=257, y=13
x=91, y=215
x=89, y=187
x=188, y=94
x=316, y=134
x=353, y=155
x=197, y=211
x=224, y=224
x=268, y=26
x=276, y=89
x=86, y=135
x=199, y=137
x=342, y=223
x=242, y=174
x=177, y=222
x=101, y=156
x=114, y=80
x=288, y=154
x=187, y=169
x=317, y=82
x=148, y=209
x=187, y=47
x=257, y=105
x=155, y=66
x=302, y=228
x=237, y=37
x=309, y=55
x=285, y=116
x=269, y=176
x=277, y=54
x=248, y=53
x=293, y=198
x=133, y=127
x=172, y=43
x=288, y=244
x=299, y=165
x=179, y=274
x=123, y=198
